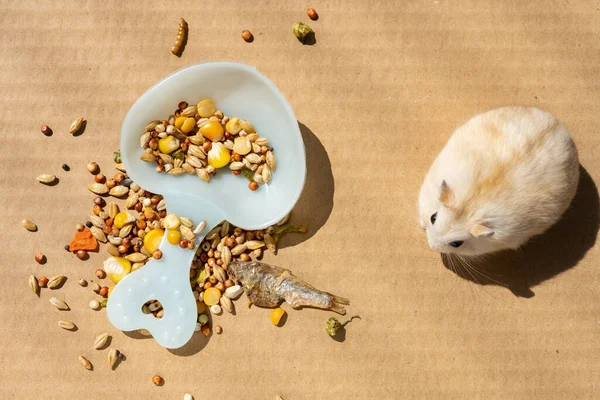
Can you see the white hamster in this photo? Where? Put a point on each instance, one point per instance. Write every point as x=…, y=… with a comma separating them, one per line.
x=502, y=178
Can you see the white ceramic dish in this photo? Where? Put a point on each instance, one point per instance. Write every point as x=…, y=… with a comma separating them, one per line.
x=238, y=90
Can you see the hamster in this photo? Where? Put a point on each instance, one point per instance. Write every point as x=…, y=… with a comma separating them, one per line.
x=503, y=177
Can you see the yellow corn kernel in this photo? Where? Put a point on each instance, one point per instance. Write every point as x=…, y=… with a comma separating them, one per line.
x=200, y=306
x=152, y=239
x=212, y=130
x=218, y=155
x=174, y=237
x=179, y=122
x=233, y=126
x=122, y=219
x=168, y=144
x=171, y=222
x=212, y=296
x=276, y=315
x=116, y=268
x=206, y=108
x=188, y=125
x=242, y=145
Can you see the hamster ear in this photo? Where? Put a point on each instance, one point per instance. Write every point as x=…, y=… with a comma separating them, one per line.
x=480, y=230
x=446, y=194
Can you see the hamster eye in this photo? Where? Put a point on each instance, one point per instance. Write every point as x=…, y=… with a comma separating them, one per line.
x=433, y=218
x=456, y=243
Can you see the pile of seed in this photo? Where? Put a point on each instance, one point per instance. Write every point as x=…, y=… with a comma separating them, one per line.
x=199, y=139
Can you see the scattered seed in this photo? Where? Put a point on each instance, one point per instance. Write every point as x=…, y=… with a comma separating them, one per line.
x=46, y=178
x=98, y=188
x=33, y=284
x=103, y=291
x=43, y=281
x=96, y=288
x=101, y=340
x=55, y=281
x=81, y=254
x=247, y=36
x=218, y=330
x=30, y=226
x=82, y=282
x=76, y=126
x=66, y=167
x=85, y=363
x=40, y=258
x=94, y=304
x=312, y=14
x=66, y=325
x=93, y=167
x=157, y=255
x=100, y=274
x=158, y=380
x=46, y=130
x=58, y=303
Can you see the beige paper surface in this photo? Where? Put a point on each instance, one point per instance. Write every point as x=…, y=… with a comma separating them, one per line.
x=377, y=97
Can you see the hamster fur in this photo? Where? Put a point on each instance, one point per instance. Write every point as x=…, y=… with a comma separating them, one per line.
x=503, y=177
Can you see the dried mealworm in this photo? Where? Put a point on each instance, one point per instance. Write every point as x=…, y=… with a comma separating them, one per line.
x=181, y=37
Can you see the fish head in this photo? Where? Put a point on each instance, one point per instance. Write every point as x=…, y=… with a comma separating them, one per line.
x=242, y=271
x=235, y=271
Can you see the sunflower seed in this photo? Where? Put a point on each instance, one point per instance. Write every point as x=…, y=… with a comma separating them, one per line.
x=132, y=201
x=118, y=191
x=187, y=232
x=241, y=239
x=254, y=244
x=125, y=231
x=148, y=157
x=33, y=284
x=247, y=164
x=252, y=136
x=219, y=273
x=255, y=148
x=161, y=205
x=98, y=234
x=236, y=166
x=200, y=227
x=189, y=111
x=262, y=141
x=253, y=158
x=101, y=341
x=58, y=303
x=257, y=177
x=197, y=140
x=202, y=174
x=66, y=325
x=30, y=226
x=113, y=210
x=225, y=255
x=188, y=168
x=85, y=363
x=194, y=161
x=187, y=222
x=55, y=281
x=113, y=357
x=167, y=159
x=46, y=178
x=97, y=221
x=239, y=249
x=76, y=126
x=136, y=257
x=112, y=250
x=115, y=240
x=226, y=303
x=225, y=226
x=135, y=187
x=266, y=174
x=177, y=171
x=152, y=125
x=271, y=161
x=98, y=188
x=228, y=145
x=103, y=214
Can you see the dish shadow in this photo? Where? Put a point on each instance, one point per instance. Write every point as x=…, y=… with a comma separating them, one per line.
x=547, y=255
x=194, y=346
x=316, y=201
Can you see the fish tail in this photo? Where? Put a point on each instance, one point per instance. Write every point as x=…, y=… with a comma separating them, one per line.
x=337, y=304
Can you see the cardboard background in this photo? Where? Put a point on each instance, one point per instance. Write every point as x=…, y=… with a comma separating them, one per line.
x=377, y=96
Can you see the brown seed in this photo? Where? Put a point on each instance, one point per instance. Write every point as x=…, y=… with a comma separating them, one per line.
x=100, y=274
x=228, y=283
x=207, y=285
x=247, y=35
x=39, y=257
x=312, y=14
x=212, y=279
x=183, y=244
x=79, y=227
x=122, y=249
x=119, y=177
x=42, y=281
x=100, y=178
x=99, y=201
x=207, y=145
x=93, y=167
x=81, y=254
x=230, y=241
x=218, y=330
x=182, y=105
x=97, y=209
x=82, y=282
x=158, y=380
x=244, y=257
x=220, y=286
x=253, y=186
x=46, y=130
x=30, y=226
x=110, y=183
x=103, y=291
x=157, y=255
